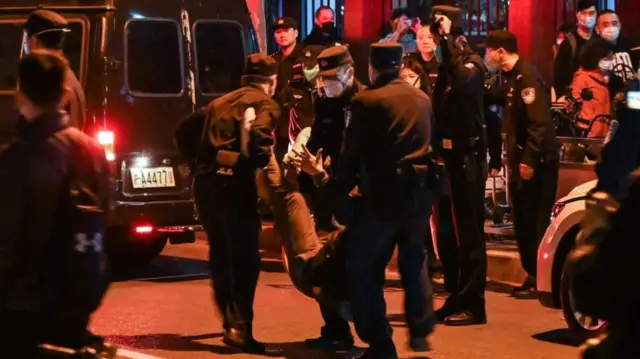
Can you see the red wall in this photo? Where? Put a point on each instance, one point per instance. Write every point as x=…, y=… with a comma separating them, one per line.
x=533, y=22
x=629, y=11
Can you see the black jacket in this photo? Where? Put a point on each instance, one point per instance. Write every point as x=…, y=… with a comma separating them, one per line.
x=494, y=101
x=286, y=71
x=222, y=120
x=531, y=136
x=318, y=37
x=429, y=75
x=566, y=63
x=33, y=179
x=458, y=98
x=390, y=129
x=296, y=102
x=625, y=60
x=75, y=102
x=328, y=127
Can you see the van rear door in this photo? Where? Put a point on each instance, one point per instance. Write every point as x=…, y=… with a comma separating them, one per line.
x=222, y=36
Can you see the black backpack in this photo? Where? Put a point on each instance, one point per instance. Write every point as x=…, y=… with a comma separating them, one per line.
x=78, y=246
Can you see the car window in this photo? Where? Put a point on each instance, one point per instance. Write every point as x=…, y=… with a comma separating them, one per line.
x=11, y=48
x=220, y=55
x=154, y=57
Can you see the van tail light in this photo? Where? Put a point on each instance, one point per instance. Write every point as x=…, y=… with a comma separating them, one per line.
x=144, y=229
x=107, y=140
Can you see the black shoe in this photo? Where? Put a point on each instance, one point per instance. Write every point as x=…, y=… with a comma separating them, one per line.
x=419, y=345
x=369, y=354
x=465, y=318
x=445, y=311
x=530, y=282
x=246, y=343
x=327, y=343
x=526, y=293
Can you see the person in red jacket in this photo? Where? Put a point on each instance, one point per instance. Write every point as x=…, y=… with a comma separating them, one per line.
x=596, y=63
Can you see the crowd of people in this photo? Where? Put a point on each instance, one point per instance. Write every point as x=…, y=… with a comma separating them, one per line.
x=370, y=166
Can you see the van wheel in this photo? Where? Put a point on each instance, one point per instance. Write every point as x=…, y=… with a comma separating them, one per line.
x=122, y=246
x=582, y=327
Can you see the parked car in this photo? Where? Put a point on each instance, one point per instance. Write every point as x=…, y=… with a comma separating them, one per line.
x=144, y=65
x=553, y=286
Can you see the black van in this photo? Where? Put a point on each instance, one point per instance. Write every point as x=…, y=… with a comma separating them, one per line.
x=144, y=64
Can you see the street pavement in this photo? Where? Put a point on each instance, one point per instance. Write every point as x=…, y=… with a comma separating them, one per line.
x=164, y=310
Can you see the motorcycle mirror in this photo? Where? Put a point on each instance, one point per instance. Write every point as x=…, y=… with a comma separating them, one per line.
x=586, y=94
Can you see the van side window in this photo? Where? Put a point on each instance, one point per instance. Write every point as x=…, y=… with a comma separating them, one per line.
x=220, y=55
x=11, y=47
x=153, y=57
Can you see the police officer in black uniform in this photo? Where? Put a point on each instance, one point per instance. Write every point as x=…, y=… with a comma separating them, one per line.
x=385, y=151
x=460, y=134
x=236, y=143
x=532, y=150
x=338, y=85
x=296, y=101
x=289, y=58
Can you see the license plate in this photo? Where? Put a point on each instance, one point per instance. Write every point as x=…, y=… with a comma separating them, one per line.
x=159, y=177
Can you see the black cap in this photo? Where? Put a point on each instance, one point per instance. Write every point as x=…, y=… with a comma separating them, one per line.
x=260, y=67
x=398, y=12
x=504, y=39
x=385, y=55
x=585, y=4
x=453, y=13
x=45, y=20
x=332, y=59
x=284, y=23
x=311, y=54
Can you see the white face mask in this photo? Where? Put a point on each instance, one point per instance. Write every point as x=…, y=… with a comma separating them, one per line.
x=611, y=33
x=333, y=88
x=605, y=65
x=310, y=74
x=588, y=21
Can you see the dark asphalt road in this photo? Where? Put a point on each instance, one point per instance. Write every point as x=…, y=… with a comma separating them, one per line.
x=165, y=310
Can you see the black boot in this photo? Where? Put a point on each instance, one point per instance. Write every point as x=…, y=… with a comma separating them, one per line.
x=528, y=290
x=243, y=341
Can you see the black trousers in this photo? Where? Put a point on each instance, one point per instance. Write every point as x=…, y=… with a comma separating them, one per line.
x=368, y=250
x=532, y=201
x=464, y=261
x=22, y=332
x=228, y=212
x=446, y=243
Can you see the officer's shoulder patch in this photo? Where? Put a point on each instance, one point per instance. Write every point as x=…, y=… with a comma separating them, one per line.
x=529, y=95
x=470, y=65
